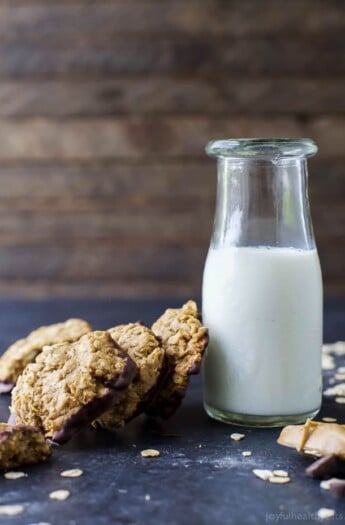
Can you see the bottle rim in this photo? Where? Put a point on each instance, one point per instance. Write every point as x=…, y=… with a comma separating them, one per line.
x=268, y=148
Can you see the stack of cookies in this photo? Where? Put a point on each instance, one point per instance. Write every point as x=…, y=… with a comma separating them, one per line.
x=65, y=377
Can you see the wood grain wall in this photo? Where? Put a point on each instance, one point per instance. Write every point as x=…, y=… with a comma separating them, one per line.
x=105, y=108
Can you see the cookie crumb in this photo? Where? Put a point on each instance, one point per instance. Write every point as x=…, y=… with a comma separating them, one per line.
x=11, y=510
x=281, y=473
x=263, y=474
x=150, y=453
x=59, y=495
x=246, y=453
x=73, y=473
x=327, y=362
x=147, y=497
x=15, y=475
x=237, y=437
x=325, y=513
x=329, y=419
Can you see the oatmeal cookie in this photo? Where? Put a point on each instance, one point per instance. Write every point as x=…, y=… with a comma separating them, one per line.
x=184, y=339
x=25, y=351
x=147, y=353
x=21, y=445
x=71, y=384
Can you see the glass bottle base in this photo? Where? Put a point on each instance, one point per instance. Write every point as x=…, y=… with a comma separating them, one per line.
x=247, y=420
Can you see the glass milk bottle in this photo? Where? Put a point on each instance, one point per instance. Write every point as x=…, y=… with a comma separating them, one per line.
x=262, y=287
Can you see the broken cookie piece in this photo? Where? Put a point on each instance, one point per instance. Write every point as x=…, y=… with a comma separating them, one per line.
x=315, y=438
x=21, y=445
x=25, y=351
x=184, y=339
x=148, y=354
x=72, y=384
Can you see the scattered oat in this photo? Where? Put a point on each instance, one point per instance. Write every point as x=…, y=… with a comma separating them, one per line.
x=275, y=476
x=123, y=491
x=246, y=453
x=340, y=400
x=263, y=473
x=73, y=473
x=15, y=475
x=150, y=453
x=59, y=495
x=280, y=473
x=11, y=510
x=312, y=453
x=329, y=419
x=341, y=369
x=331, y=381
x=147, y=497
x=237, y=437
x=199, y=446
x=337, y=348
x=328, y=362
x=325, y=513
x=326, y=483
x=337, y=390
x=279, y=479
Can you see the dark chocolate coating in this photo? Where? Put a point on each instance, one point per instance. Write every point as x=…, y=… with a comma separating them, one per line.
x=6, y=388
x=327, y=467
x=156, y=407
x=194, y=369
x=88, y=413
x=26, y=429
x=85, y=415
x=323, y=468
x=165, y=408
x=149, y=396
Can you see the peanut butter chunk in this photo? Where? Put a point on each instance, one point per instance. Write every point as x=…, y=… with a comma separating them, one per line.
x=315, y=438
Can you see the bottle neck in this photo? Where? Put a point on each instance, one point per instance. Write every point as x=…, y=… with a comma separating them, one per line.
x=262, y=203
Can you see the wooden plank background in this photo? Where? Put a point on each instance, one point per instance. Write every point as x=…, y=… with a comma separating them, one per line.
x=105, y=109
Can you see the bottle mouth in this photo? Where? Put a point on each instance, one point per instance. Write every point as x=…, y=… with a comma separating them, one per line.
x=269, y=149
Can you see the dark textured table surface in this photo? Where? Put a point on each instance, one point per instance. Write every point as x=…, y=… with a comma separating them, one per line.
x=200, y=477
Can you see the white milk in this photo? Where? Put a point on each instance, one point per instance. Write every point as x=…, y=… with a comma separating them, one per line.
x=263, y=308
